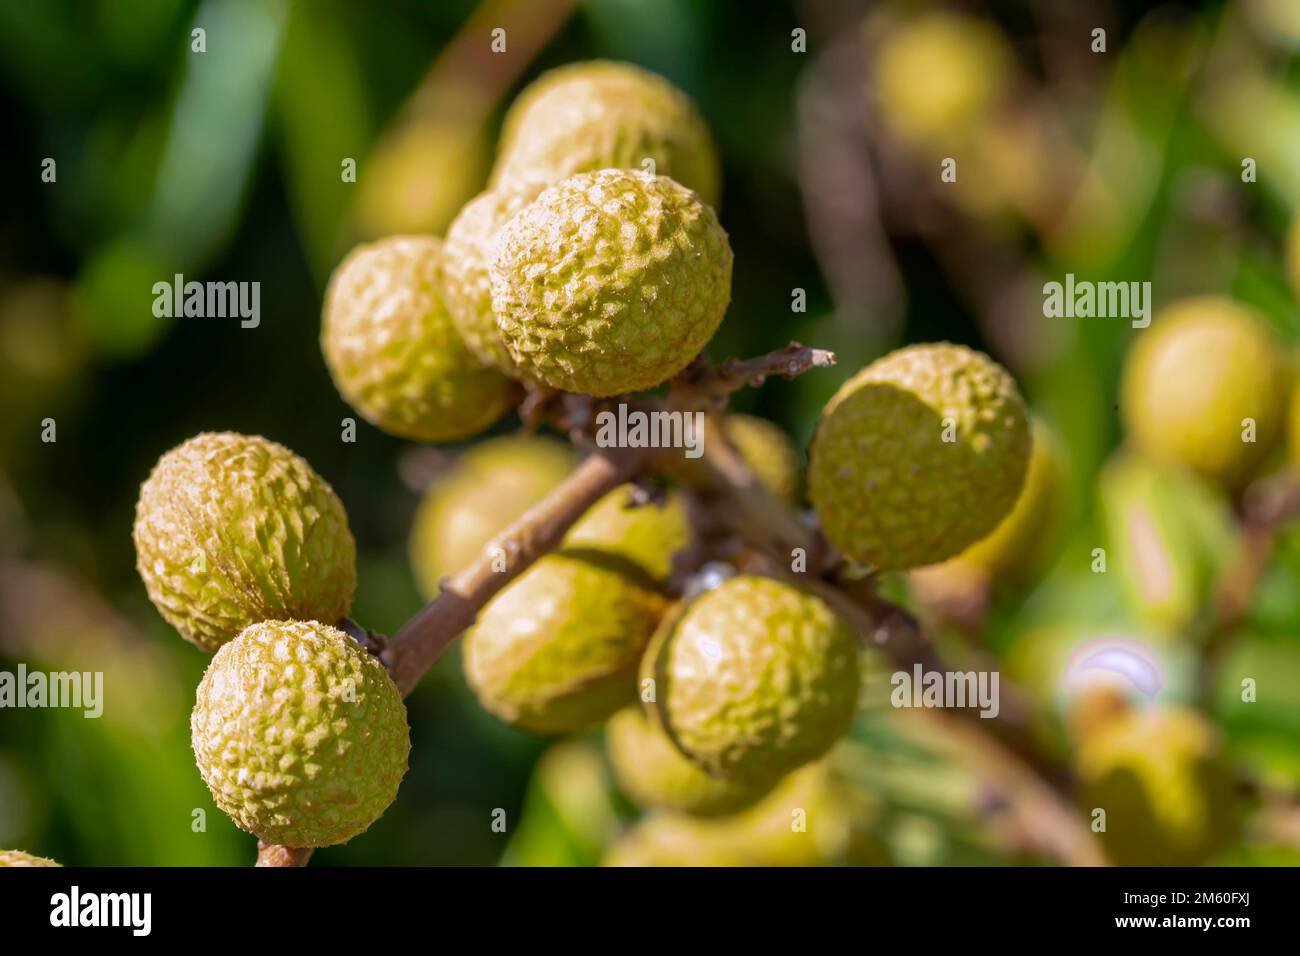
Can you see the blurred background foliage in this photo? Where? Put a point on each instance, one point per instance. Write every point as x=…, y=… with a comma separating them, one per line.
x=226, y=164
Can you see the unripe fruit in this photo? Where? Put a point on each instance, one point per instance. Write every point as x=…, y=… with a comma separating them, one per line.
x=648, y=537
x=233, y=529
x=600, y=115
x=467, y=254
x=1193, y=378
x=1293, y=255
x=769, y=453
x=19, y=858
x=1022, y=544
x=940, y=76
x=918, y=456
x=393, y=351
x=1168, y=795
x=655, y=775
x=610, y=282
x=666, y=840
x=299, y=733
x=557, y=650
x=489, y=486
x=754, y=678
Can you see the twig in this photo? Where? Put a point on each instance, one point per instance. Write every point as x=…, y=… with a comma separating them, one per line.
x=702, y=385
x=271, y=854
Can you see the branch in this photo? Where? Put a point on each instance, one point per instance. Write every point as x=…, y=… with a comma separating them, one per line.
x=701, y=384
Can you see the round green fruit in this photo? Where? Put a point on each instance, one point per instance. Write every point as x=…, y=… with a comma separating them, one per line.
x=393, y=351
x=233, y=529
x=19, y=858
x=489, y=486
x=1192, y=380
x=645, y=539
x=467, y=254
x=300, y=734
x=753, y=679
x=918, y=456
x=1021, y=546
x=1169, y=797
x=590, y=116
x=656, y=776
x=557, y=650
x=768, y=452
x=668, y=840
x=610, y=282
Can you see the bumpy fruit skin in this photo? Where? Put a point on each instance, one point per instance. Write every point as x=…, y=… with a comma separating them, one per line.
x=1021, y=546
x=601, y=115
x=19, y=858
x=393, y=351
x=610, y=282
x=890, y=492
x=232, y=529
x=656, y=776
x=1204, y=366
x=300, y=734
x=940, y=76
x=647, y=537
x=488, y=487
x=768, y=452
x=463, y=275
x=753, y=679
x=1168, y=795
x=557, y=650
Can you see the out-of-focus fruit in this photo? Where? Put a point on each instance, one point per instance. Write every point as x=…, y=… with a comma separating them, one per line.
x=648, y=537
x=769, y=453
x=232, y=529
x=1191, y=381
x=918, y=456
x=300, y=734
x=393, y=351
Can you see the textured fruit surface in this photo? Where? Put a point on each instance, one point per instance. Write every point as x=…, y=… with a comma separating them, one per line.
x=393, y=351
x=1021, y=546
x=299, y=733
x=1168, y=796
x=1191, y=379
x=488, y=487
x=648, y=537
x=466, y=285
x=557, y=650
x=233, y=529
x=754, y=679
x=656, y=776
x=768, y=452
x=610, y=282
x=19, y=858
x=891, y=492
x=602, y=115
x=940, y=76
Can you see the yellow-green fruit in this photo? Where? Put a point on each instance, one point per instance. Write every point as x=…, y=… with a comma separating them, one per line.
x=1020, y=546
x=1293, y=427
x=467, y=253
x=299, y=733
x=1195, y=381
x=939, y=77
x=601, y=115
x=557, y=650
x=393, y=351
x=918, y=456
x=754, y=678
x=420, y=174
x=233, y=529
x=489, y=486
x=769, y=453
x=610, y=282
x=19, y=858
x=667, y=840
x=645, y=538
x=656, y=776
x=1293, y=255
x=1168, y=795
